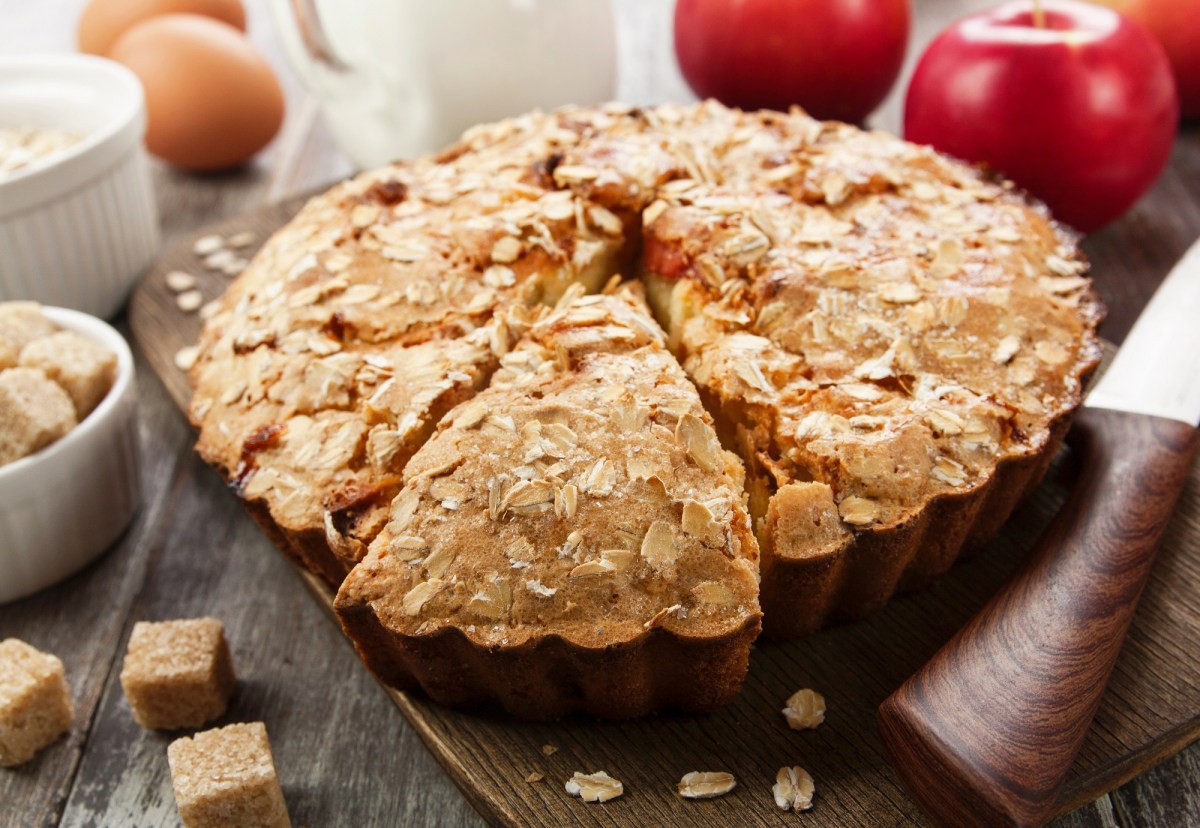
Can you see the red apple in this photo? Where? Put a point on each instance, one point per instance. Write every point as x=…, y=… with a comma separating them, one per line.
x=1176, y=24
x=836, y=58
x=1080, y=110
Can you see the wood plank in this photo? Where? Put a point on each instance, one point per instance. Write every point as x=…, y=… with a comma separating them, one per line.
x=153, y=314
x=1132, y=256
x=1171, y=797
x=294, y=674
x=109, y=771
x=1135, y=252
x=1152, y=707
x=81, y=620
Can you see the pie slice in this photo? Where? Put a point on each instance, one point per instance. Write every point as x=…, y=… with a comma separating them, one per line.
x=892, y=343
x=384, y=303
x=572, y=538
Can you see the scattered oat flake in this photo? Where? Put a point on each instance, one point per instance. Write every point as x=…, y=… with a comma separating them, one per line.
x=243, y=239
x=861, y=391
x=594, y=787
x=714, y=592
x=1062, y=266
x=1051, y=353
x=549, y=750
x=699, y=441
x=185, y=358
x=1006, y=349
x=706, y=784
x=576, y=172
x=948, y=471
x=858, y=511
x=189, y=301
x=805, y=710
x=697, y=518
x=661, y=616
x=793, y=789
x=364, y=215
x=900, y=294
x=658, y=545
x=535, y=777
x=210, y=309
x=205, y=245
x=653, y=212
x=179, y=281
x=594, y=567
x=416, y=597
x=506, y=250
x=539, y=589
x=945, y=422
x=220, y=259
x=606, y=220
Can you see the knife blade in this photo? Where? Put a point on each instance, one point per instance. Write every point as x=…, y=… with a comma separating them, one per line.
x=985, y=733
x=1157, y=370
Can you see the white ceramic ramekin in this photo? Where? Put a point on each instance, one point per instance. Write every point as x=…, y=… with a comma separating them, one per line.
x=64, y=505
x=78, y=227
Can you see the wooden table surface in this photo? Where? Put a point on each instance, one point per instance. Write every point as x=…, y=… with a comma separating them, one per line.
x=345, y=755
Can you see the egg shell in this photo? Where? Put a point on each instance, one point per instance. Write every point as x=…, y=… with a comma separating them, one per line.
x=212, y=101
x=104, y=21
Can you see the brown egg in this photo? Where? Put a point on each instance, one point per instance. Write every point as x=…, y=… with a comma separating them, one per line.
x=104, y=21
x=212, y=101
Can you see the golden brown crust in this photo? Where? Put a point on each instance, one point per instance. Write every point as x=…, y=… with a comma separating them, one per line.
x=384, y=303
x=848, y=580
x=886, y=325
x=892, y=343
x=582, y=499
x=551, y=677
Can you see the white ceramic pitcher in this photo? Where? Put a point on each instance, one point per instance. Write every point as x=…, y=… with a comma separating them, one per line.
x=397, y=78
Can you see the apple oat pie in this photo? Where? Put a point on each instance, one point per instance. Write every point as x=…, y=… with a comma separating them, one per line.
x=544, y=500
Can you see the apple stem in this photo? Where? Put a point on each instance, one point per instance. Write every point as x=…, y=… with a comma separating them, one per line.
x=1039, y=14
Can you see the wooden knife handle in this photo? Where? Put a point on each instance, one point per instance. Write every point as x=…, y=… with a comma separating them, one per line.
x=985, y=733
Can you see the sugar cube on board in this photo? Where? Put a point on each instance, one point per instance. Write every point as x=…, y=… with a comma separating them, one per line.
x=226, y=777
x=177, y=673
x=35, y=702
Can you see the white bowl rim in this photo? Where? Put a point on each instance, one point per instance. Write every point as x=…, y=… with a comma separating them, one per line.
x=104, y=334
x=127, y=120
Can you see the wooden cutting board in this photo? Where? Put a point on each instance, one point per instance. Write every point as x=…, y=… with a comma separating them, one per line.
x=1150, y=711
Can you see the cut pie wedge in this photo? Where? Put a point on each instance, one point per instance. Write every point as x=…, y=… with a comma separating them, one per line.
x=573, y=538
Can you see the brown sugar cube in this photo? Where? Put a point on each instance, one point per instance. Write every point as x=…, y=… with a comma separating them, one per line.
x=225, y=778
x=20, y=324
x=34, y=412
x=85, y=370
x=35, y=704
x=177, y=673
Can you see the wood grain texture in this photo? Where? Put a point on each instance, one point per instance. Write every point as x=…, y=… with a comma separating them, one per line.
x=82, y=620
x=295, y=674
x=856, y=667
x=986, y=732
x=368, y=763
